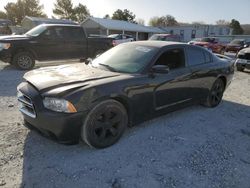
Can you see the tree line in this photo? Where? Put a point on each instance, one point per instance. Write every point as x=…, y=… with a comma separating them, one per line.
x=64, y=9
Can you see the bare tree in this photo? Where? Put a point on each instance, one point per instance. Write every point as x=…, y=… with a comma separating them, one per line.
x=222, y=22
x=140, y=21
x=163, y=21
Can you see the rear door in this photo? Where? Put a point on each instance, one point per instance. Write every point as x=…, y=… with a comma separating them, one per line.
x=76, y=42
x=203, y=74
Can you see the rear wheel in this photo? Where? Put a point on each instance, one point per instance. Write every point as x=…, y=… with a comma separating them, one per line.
x=216, y=93
x=23, y=60
x=105, y=124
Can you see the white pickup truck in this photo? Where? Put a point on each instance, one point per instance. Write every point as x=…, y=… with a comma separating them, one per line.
x=121, y=38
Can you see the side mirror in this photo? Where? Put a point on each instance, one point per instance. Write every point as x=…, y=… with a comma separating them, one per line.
x=246, y=45
x=162, y=69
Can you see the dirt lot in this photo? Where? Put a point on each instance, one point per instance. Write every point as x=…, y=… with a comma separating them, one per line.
x=193, y=147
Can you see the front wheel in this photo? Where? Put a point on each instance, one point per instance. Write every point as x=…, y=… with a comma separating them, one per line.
x=23, y=60
x=215, y=94
x=105, y=124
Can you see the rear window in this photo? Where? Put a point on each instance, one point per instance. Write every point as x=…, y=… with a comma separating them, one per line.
x=74, y=33
x=207, y=57
x=196, y=56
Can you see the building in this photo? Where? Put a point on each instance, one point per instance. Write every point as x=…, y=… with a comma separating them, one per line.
x=5, y=27
x=4, y=22
x=100, y=26
x=30, y=22
x=189, y=32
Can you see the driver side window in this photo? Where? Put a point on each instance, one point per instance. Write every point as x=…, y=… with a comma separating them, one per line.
x=174, y=58
x=49, y=34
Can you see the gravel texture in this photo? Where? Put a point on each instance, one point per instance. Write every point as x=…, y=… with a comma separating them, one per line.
x=194, y=147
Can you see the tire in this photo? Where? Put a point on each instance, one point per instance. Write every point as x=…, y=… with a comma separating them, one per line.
x=215, y=94
x=241, y=69
x=104, y=124
x=23, y=60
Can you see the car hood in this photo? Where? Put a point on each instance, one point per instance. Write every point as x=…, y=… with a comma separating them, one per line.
x=45, y=79
x=245, y=50
x=8, y=38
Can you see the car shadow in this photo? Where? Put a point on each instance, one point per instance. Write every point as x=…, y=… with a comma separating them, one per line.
x=147, y=153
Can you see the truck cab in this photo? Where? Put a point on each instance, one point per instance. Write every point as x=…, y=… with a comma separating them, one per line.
x=50, y=42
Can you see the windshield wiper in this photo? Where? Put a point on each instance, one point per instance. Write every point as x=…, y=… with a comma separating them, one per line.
x=108, y=67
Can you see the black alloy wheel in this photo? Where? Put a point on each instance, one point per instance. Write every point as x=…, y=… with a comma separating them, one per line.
x=23, y=61
x=105, y=124
x=216, y=93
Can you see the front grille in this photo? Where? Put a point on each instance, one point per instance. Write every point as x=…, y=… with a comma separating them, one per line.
x=25, y=105
x=244, y=56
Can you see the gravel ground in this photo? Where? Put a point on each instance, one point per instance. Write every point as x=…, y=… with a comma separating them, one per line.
x=193, y=147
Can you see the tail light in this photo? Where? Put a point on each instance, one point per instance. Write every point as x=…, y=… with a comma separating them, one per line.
x=114, y=43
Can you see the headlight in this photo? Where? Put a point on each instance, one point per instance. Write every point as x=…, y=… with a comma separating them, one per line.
x=5, y=46
x=59, y=105
x=241, y=61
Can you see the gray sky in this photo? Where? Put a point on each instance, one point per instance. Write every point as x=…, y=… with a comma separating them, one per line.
x=208, y=11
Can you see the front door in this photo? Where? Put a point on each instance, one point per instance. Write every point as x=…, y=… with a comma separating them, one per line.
x=172, y=88
x=50, y=44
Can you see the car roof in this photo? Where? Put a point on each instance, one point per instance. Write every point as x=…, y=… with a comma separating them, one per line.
x=157, y=44
x=64, y=25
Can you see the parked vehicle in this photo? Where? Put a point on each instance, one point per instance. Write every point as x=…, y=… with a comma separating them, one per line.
x=166, y=37
x=194, y=40
x=227, y=58
x=243, y=59
x=236, y=45
x=121, y=38
x=50, y=42
x=96, y=102
x=212, y=43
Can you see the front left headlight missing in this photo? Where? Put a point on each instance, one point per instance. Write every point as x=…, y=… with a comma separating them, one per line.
x=59, y=105
x=5, y=46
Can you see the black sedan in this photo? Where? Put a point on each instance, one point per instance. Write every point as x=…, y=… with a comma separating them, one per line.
x=128, y=84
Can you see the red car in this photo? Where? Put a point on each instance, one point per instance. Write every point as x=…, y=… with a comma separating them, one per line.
x=237, y=44
x=211, y=43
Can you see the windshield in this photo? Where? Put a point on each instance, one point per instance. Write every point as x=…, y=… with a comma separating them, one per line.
x=207, y=40
x=36, y=31
x=239, y=42
x=125, y=58
x=196, y=39
x=165, y=38
x=113, y=36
